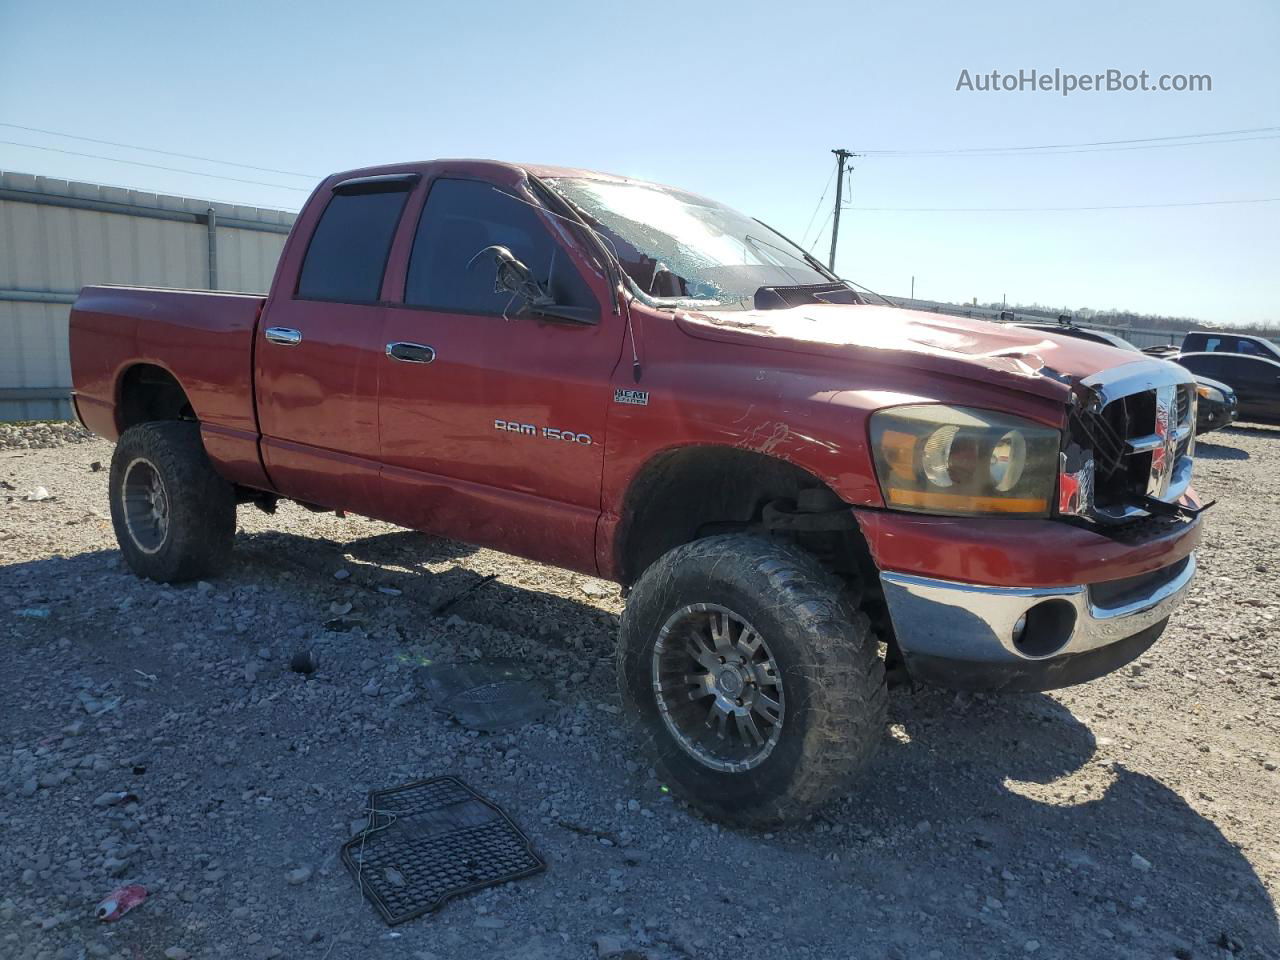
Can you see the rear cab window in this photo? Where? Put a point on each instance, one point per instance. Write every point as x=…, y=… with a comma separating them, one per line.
x=348, y=252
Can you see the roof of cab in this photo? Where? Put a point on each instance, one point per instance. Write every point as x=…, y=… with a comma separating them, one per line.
x=479, y=166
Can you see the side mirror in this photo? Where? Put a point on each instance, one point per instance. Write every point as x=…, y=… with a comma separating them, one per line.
x=512, y=276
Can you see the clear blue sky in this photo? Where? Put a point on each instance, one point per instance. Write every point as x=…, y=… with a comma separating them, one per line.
x=739, y=100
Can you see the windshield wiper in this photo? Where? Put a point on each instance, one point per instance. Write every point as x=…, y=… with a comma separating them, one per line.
x=808, y=258
x=757, y=242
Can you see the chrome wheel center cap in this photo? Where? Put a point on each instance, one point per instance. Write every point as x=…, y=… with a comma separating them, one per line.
x=730, y=682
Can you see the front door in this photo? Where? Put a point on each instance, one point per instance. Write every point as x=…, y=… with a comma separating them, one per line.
x=492, y=420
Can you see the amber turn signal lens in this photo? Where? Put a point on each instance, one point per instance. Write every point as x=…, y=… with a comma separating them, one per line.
x=960, y=503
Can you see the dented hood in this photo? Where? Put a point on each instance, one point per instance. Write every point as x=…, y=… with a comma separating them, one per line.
x=1028, y=360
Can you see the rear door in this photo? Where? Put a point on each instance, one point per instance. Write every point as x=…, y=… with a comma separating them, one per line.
x=319, y=346
x=492, y=421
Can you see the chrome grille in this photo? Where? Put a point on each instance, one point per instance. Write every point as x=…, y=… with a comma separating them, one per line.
x=1147, y=416
x=1188, y=400
x=1184, y=402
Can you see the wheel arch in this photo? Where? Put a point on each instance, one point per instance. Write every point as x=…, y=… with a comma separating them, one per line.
x=147, y=392
x=686, y=493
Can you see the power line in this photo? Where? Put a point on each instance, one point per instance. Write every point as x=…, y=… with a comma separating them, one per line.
x=818, y=236
x=817, y=207
x=1143, y=143
x=167, y=153
x=1053, y=153
x=155, y=166
x=1122, y=206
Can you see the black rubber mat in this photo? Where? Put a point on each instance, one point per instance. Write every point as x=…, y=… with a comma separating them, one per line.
x=431, y=840
x=488, y=695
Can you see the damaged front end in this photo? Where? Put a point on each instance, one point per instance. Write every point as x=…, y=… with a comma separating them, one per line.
x=1105, y=589
x=1129, y=446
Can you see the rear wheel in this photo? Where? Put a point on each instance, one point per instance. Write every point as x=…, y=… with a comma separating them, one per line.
x=174, y=517
x=756, y=681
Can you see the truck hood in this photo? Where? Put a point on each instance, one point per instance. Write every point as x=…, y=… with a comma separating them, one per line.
x=1031, y=361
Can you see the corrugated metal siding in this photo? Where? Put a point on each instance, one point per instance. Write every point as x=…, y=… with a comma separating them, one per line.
x=33, y=360
x=50, y=252
x=246, y=259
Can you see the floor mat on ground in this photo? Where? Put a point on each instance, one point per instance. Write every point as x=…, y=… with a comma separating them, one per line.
x=431, y=840
x=488, y=695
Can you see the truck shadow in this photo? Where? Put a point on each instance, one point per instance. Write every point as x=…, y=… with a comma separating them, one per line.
x=402, y=560
x=399, y=548
x=1208, y=450
x=1020, y=789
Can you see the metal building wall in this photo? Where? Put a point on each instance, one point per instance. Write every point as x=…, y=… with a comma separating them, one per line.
x=57, y=236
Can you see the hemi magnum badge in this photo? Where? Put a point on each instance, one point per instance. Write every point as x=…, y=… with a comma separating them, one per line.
x=638, y=398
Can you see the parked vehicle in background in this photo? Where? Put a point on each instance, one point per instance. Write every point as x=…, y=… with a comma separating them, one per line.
x=1215, y=341
x=1255, y=379
x=1216, y=406
x=627, y=380
x=1082, y=333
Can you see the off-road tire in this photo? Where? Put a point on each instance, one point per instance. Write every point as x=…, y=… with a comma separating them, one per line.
x=826, y=655
x=200, y=505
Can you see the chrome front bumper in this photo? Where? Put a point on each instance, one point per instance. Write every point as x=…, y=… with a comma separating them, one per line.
x=970, y=636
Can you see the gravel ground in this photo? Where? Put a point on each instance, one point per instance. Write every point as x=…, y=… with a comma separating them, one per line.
x=1133, y=817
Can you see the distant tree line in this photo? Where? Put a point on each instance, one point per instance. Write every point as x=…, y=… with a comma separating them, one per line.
x=1127, y=318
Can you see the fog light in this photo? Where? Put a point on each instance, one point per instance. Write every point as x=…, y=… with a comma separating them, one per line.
x=1018, y=628
x=1044, y=629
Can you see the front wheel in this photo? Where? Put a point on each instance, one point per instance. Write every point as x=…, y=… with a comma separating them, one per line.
x=174, y=517
x=757, y=683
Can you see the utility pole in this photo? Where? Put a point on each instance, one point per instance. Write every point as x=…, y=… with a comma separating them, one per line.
x=841, y=156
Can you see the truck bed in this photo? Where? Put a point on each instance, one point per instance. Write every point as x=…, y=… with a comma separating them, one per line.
x=115, y=328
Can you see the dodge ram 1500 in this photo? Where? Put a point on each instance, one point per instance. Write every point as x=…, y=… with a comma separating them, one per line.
x=799, y=488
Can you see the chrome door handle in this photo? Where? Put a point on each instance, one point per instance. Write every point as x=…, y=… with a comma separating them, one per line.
x=410, y=352
x=284, y=335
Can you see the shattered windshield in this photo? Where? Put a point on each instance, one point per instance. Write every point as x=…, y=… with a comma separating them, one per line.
x=677, y=246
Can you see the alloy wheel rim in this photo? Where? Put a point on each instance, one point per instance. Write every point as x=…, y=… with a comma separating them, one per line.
x=718, y=687
x=146, y=506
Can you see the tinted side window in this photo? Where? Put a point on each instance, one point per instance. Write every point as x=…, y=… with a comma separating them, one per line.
x=1248, y=347
x=1205, y=366
x=461, y=218
x=1213, y=343
x=349, y=247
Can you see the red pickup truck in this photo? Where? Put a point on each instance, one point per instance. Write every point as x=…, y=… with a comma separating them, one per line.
x=798, y=487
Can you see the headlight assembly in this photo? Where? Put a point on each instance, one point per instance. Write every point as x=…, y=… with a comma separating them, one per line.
x=933, y=458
